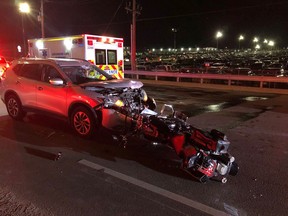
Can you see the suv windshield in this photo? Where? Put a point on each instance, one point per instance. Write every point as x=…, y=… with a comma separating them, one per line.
x=85, y=73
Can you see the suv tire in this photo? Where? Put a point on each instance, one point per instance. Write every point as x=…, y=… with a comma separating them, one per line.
x=83, y=122
x=14, y=107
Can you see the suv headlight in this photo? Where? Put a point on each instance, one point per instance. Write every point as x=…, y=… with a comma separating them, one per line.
x=143, y=95
x=111, y=101
x=119, y=103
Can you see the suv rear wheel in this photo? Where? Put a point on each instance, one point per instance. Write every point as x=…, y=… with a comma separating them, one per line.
x=83, y=122
x=14, y=107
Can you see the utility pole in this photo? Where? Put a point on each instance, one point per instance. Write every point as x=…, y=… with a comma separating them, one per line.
x=41, y=18
x=135, y=10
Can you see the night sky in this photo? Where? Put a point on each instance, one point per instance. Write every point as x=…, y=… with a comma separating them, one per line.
x=197, y=21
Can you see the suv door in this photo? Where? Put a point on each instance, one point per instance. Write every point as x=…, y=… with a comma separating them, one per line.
x=50, y=97
x=25, y=84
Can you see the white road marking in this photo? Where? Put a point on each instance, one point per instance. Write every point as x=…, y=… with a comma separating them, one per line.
x=191, y=203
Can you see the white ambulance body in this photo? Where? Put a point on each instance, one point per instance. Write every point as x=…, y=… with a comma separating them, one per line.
x=104, y=52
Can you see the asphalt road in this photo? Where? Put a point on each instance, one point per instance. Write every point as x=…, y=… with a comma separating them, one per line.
x=100, y=177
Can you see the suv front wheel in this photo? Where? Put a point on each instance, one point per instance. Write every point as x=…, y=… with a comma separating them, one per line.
x=83, y=122
x=14, y=107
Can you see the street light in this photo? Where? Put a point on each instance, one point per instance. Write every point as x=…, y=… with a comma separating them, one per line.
x=241, y=37
x=255, y=40
x=218, y=35
x=24, y=8
x=271, y=44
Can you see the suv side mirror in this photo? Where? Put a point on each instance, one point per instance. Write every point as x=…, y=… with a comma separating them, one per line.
x=56, y=81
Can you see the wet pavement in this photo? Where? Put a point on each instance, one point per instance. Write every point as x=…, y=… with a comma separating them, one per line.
x=199, y=100
x=255, y=123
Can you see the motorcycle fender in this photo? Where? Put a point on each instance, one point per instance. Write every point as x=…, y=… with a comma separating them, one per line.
x=178, y=142
x=202, y=141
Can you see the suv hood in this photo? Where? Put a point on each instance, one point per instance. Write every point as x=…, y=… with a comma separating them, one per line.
x=113, y=84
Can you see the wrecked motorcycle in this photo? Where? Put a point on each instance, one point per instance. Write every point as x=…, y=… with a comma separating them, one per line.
x=204, y=154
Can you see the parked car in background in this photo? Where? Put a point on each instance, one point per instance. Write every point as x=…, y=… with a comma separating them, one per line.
x=242, y=71
x=165, y=67
x=275, y=69
x=144, y=66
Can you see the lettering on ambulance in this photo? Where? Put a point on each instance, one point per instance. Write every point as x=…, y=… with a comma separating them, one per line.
x=60, y=55
x=110, y=69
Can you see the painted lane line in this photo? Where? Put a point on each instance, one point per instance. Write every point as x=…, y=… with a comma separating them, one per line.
x=188, y=202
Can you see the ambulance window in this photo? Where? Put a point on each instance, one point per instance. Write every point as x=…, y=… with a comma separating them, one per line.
x=112, y=57
x=100, y=56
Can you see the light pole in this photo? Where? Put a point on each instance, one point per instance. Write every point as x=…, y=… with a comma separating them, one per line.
x=241, y=37
x=24, y=8
x=174, y=30
x=218, y=35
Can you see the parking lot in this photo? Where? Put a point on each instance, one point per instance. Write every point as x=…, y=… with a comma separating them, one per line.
x=233, y=62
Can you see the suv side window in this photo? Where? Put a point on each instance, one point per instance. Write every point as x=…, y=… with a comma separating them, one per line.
x=31, y=71
x=17, y=69
x=49, y=72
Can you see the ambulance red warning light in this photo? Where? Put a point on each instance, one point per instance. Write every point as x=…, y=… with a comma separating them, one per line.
x=105, y=52
x=3, y=66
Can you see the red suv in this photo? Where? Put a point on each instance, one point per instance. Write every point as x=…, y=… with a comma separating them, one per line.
x=74, y=89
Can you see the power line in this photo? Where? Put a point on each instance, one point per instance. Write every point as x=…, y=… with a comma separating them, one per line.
x=108, y=25
x=212, y=12
x=82, y=2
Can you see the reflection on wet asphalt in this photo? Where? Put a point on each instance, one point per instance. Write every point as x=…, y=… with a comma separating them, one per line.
x=193, y=102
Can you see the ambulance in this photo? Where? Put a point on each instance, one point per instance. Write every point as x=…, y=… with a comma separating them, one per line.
x=104, y=52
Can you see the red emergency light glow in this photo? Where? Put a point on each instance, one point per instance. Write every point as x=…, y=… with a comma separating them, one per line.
x=91, y=61
x=90, y=42
x=105, y=39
